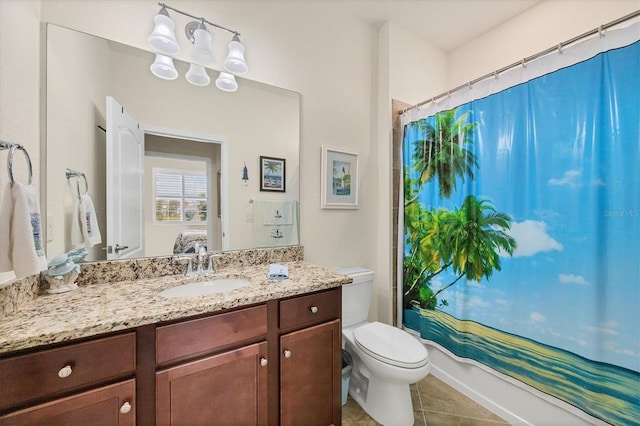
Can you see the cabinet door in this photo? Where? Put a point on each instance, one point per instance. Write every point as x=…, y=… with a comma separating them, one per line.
x=109, y=405
x=229, y=388
x=310, y=369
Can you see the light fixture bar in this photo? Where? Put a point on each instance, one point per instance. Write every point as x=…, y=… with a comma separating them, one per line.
x=202, y=19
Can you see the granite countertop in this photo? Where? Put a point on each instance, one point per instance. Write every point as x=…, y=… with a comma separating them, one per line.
x=106, y=307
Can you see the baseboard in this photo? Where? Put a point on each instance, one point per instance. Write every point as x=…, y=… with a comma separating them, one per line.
x=512, y=400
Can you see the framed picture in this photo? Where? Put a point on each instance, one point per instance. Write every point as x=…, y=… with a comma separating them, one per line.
x=339, y=180
x=272, y=174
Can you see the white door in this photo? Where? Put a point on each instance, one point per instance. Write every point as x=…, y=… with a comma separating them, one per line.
x=125, y=184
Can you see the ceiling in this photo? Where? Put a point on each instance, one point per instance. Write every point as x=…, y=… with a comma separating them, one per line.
x=445, y=24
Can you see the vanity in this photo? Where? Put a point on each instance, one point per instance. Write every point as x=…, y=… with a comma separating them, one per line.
x=118, y=353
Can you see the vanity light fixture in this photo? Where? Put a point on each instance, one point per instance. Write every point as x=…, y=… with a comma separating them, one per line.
x=201, y=39
x=163, y=41
x=163, y=68
x=197, y=75
x=235, y=62
x=226, y=82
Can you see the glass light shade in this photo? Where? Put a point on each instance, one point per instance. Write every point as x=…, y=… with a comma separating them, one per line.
x=235, y=61
x=226, y=82
x=202, y=50
x=197, y=75
x=163, y=68
x=163, y=38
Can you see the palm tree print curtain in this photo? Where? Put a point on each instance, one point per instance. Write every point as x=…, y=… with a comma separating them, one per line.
x=522, y=231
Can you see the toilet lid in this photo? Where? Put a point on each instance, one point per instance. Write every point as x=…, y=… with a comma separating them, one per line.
x=390, y=345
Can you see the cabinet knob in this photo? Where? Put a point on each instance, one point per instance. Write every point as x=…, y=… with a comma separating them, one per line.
x=263, y=362
x=126, y=407
x=287, y=353
x=314, y=309
x=65, y=371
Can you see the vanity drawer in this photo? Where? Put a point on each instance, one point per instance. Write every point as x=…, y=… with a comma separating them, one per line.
x=29, y=377
x=310, y=309
x=201, y=336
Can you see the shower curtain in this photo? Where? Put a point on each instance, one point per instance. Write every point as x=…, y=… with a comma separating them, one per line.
x=522, y=225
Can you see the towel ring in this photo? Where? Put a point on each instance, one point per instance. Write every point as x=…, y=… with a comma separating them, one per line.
x=86, y=185
x=12, y=150
x=72, y=173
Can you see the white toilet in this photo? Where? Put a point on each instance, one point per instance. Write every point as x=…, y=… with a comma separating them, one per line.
x=386, y=359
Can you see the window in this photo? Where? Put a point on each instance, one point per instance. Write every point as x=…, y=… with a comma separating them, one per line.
x=180, y=195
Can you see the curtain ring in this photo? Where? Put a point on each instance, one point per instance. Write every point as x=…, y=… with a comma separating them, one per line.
x=12, y=150
x=524, y=63
x=560, y=48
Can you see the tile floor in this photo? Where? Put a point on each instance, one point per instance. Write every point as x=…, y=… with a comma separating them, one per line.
x=434, y=404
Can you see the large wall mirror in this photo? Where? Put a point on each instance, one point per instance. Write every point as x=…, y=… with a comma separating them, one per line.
x=196, y=142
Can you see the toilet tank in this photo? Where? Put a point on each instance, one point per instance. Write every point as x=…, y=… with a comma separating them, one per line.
x=356, y=297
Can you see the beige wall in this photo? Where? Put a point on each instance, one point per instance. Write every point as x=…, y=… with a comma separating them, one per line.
x=20, y=87
x=539, y=28
x=77, y=86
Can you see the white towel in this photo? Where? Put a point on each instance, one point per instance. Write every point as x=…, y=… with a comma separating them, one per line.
x=22, y=248
x=274, y=235
x=88, y=222
x=77, y=239
x=278, y=212
x=278, y=272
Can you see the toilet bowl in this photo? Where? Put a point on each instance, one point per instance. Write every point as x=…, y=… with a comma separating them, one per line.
x=386, y=359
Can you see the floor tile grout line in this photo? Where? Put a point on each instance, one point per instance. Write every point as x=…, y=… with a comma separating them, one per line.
x=424, y=418
x=468, y=417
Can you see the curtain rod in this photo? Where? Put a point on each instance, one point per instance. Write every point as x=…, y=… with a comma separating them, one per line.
x=599, y=30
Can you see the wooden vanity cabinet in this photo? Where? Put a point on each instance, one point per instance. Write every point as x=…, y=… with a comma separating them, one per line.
x=107, y=405
x=73, y=384
x=227, y=386
x=277, y=363
x=310, y=359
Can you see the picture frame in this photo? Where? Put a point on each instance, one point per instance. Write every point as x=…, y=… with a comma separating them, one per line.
x=339, y=178
x=272, y=174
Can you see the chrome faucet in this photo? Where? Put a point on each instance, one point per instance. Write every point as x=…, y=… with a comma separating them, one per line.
x=199, y=259
x=201, y=252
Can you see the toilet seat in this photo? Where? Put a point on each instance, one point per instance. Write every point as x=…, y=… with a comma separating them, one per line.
x=390, y=345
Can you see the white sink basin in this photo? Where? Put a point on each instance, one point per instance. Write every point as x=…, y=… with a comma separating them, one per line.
x=204, y=288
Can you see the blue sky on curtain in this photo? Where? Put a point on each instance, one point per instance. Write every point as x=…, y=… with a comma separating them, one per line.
x=522, y=225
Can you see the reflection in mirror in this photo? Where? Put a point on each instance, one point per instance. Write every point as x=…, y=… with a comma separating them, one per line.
x=198, y=136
